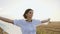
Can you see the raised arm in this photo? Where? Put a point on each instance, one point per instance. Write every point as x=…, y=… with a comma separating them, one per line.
x=44, y=21
x=6, y=20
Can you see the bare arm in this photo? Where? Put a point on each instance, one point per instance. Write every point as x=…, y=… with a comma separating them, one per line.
x=47, y=20
x=6, y=20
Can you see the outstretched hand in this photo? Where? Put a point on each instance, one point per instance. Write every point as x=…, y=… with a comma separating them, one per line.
x=48, y=19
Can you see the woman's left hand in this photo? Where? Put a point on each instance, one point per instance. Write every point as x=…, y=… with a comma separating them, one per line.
x=48, y=19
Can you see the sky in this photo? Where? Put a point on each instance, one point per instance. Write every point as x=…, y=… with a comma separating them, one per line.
x=43, y=9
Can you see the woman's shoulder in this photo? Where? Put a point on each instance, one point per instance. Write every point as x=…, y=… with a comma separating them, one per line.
x=19, y=19
x=36, y=20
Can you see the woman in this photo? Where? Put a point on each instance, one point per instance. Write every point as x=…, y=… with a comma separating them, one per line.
x=28, y=25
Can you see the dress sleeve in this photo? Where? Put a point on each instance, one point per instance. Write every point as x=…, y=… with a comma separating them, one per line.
x=17, y=22
x=37, y=22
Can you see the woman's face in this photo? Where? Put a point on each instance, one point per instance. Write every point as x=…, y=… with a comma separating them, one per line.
x=29, y=14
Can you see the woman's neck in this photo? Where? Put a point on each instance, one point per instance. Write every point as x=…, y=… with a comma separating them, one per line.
x=29, y=20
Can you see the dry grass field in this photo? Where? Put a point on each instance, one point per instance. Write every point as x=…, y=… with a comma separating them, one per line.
x=52, y=28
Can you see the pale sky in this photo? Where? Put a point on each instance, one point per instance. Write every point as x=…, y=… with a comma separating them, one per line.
x=43, y=9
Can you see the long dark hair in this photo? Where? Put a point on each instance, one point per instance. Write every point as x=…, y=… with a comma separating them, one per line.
x=26, y=11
